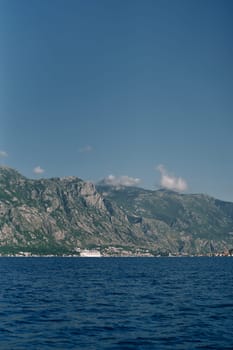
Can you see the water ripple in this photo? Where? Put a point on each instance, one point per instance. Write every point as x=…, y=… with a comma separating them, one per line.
x=116, y=303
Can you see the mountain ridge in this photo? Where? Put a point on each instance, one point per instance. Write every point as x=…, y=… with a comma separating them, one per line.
x=64, y=215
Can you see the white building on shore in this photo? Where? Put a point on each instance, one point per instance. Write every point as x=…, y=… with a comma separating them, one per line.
x=90, y=253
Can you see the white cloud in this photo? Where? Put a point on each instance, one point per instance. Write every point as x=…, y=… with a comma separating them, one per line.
x=3, y=154
x=86, y=149
x=121, y=180
x=38, y=170
x=171, y=182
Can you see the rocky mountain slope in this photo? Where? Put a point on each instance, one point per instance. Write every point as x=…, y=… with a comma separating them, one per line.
x=62, y=215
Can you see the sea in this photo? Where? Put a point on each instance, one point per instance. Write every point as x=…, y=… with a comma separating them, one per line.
x=116, y=303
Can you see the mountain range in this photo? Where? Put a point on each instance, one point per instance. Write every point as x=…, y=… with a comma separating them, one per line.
x=66, y=215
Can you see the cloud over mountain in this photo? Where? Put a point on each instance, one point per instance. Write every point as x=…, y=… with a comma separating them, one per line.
x=38, y=170
x=121, y=180
x=171, y=182
x=86, y=149
x=3, y=154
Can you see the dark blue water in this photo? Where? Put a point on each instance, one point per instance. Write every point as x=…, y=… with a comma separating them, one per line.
x=116, y=303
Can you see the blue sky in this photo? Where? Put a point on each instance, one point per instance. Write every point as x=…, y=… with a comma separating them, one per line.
x=141, y=89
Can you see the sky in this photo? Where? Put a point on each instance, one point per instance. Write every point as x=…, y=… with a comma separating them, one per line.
x=136, y=92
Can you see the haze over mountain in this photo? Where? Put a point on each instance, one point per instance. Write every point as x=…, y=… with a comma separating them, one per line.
x=63, y=215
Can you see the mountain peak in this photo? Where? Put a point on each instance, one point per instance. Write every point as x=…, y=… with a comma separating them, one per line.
x=6, y=171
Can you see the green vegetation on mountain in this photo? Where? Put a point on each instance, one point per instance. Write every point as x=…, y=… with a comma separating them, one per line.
x=64, y=215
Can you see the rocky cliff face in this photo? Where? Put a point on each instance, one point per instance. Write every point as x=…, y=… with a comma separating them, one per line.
x=64, y=214
x=57, y=214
